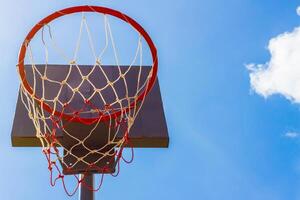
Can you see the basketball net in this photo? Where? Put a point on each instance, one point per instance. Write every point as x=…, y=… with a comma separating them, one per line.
x=117, y=113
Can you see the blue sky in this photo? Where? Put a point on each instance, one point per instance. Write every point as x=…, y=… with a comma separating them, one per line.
x=226, y=141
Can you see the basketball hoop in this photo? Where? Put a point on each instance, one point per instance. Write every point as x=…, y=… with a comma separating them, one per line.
x=94, y=119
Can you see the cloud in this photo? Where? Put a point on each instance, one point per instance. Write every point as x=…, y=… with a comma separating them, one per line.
x=281, y=74
x=298, y=10
x=292, y=135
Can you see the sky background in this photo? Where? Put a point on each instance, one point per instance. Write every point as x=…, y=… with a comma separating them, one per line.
x=226, y=141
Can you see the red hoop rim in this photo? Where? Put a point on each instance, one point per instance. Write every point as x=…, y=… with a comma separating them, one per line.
x=86, y=8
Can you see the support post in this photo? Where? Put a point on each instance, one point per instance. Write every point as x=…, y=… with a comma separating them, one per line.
x=84, y=192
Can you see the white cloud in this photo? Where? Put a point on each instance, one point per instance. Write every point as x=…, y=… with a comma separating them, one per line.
x=280, y=75
x=292, y=135
x=298, y=10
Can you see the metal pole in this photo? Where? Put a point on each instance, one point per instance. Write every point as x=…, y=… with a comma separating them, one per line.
x=84, y=192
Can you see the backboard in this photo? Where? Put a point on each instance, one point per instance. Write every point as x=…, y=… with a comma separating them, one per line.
x=148, y=131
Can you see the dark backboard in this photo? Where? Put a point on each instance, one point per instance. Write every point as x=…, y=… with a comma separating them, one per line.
x=149, y=129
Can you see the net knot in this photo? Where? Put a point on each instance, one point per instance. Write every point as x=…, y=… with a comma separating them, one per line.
x=53, y=141
x=98, y=62
x=122, y=75
x=118, y=100
x=52, y=118
x=72, y=62
x=30, y=115
x=76, y=89
x=46, y=151
x=107, y=107
x=63, y=82
x=55, y=122
x=126, y=137
x=130, y=121
x=110, y=83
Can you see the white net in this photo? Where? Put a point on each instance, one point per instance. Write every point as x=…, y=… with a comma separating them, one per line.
x=91, y=108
